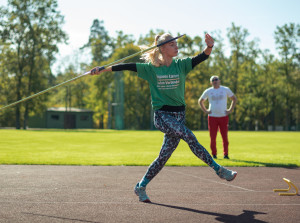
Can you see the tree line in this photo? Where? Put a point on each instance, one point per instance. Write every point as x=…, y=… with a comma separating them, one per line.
x=267, y=87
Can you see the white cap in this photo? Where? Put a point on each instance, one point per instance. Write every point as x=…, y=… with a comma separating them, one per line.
x=212, y=77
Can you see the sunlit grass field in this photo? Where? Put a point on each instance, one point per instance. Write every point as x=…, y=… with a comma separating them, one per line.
x=112, y=147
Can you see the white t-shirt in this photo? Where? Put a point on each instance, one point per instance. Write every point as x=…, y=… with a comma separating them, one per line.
x=217, y=100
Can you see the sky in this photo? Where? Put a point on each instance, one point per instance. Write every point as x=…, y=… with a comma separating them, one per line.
x=191, y=17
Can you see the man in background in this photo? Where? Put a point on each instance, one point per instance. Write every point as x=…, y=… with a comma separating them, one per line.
x=217, y=112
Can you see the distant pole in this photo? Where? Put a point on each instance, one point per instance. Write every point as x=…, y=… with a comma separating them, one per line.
x=109, y=94
x=119, y=101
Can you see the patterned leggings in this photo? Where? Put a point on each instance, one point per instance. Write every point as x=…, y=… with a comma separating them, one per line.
x=173, y=125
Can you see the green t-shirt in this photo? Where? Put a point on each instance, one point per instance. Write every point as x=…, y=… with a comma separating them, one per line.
x=167, y=84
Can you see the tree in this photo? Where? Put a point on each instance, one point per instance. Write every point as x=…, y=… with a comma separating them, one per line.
x=286, y=38
x=272, y=89
x=122, y=40
x=237, y=38
x=71, y=95
x=99, y=42
x=252, y=101
x=196, y=81
x=6, y=81
x=32, y=29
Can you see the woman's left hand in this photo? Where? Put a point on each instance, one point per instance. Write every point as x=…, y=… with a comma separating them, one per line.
x=209, y=40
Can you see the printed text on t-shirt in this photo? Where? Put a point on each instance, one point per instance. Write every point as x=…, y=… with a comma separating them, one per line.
x=166, y=82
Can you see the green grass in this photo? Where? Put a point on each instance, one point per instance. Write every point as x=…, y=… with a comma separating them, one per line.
x=110, y=147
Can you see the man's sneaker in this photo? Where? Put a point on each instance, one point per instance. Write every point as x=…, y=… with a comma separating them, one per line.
x=226, y=157
x=215, y=156
x=141, y=192
x=226, y=174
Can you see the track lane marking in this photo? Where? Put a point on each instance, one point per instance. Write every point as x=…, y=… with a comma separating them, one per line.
x=242, y=188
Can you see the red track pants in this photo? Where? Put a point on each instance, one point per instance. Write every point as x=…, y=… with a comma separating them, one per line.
x=215, y=123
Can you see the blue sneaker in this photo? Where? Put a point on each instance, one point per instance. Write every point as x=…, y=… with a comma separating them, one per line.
x=141, y=192
x=226, y=174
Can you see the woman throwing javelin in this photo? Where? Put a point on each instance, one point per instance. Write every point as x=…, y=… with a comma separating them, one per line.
x=166, y=77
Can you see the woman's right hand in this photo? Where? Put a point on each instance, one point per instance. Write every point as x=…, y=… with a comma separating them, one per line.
x=99, y=70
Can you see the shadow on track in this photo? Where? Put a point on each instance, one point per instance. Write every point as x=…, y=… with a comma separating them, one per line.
x=289, y=166
x=245, y=217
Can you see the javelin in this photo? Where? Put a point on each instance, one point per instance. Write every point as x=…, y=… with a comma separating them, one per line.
x=82, y=75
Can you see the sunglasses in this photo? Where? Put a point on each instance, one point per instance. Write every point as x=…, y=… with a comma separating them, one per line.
x=216, y=79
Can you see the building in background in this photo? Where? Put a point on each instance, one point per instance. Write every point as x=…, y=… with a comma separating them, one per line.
x=60, y=118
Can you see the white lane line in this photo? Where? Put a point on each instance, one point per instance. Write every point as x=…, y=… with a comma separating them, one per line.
x=140, y=203
x=217, y=182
